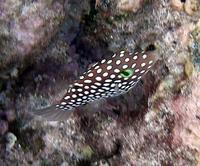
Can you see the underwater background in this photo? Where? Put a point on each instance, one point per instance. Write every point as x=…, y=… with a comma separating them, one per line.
x=46, y=44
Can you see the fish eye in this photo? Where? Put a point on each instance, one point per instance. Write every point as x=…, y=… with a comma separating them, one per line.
x=150, y=47
x=126, y=73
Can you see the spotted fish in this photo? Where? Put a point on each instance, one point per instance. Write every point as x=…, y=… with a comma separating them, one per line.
x=108, y=78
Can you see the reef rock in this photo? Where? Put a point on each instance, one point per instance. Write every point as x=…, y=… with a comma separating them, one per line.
x=26, y=27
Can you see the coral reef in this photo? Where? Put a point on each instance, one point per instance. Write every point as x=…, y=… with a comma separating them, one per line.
x=45, y=45
x=27, y=27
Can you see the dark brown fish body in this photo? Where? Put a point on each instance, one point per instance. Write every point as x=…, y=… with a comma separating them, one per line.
x=104, y=79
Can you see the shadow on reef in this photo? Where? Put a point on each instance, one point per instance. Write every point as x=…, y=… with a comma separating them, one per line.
x=28, y=138
x=88, y=43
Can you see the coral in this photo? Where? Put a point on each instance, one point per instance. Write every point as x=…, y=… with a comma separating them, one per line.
x=45, y=45
x=26, y=28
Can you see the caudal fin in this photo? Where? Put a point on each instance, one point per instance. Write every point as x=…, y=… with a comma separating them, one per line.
x=53, y=114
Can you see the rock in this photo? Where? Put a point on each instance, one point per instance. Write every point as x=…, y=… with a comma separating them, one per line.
x=191, y=6
x=130, y=5
x=177, y=4
x=64, y=164
x=195, y=45
x=8, y=115
x=87, y=152
x=187, y=113
x=26, y=28
x=3, y=127
x=10, y=141
x=189, y=69
x=183, y=34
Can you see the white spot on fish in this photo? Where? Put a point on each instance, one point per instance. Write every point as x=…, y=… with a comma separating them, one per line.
x=77, y=84
x=114, y=56
x=118, y=81
x=67, y=97
x=98, y=78
x=119, y=76
x=92, y=91
x=109, y=62
x=106, y=84
x=112, y=85
x=93, y=86
x=105, y=74
x=144, y=56
x=134, y=76
x=87, y=81
x=121, y=55
x=79, y=99
x=109, y=67
x=73, y=90
x=127, y=59
x=97, y=83
x=79, y=90
x=118, y=62
x=96, y=67
x=137, y=70
x=143, y=64
x=106, y=88
x=90, y=75
x=116, y=70
x=125, y=66
x=112, y=76
x=100, y=90
x=99, y=70
x=80, y=94
x=135, y=57
x=81, y=77
x=63, y=103
x=133, y=65
x=103, y=61
x=108, y=80
x=74, y=95
x=86, y=87
x=150, y=62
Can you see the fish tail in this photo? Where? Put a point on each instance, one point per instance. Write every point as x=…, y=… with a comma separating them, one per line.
x=51, y=113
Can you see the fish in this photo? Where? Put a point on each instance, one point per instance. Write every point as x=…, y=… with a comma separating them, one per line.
x=107, y=78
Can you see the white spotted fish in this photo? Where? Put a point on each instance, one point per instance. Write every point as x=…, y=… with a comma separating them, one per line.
x=104, y=79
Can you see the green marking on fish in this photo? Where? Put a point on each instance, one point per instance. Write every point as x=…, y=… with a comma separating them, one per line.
x=126, y=73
